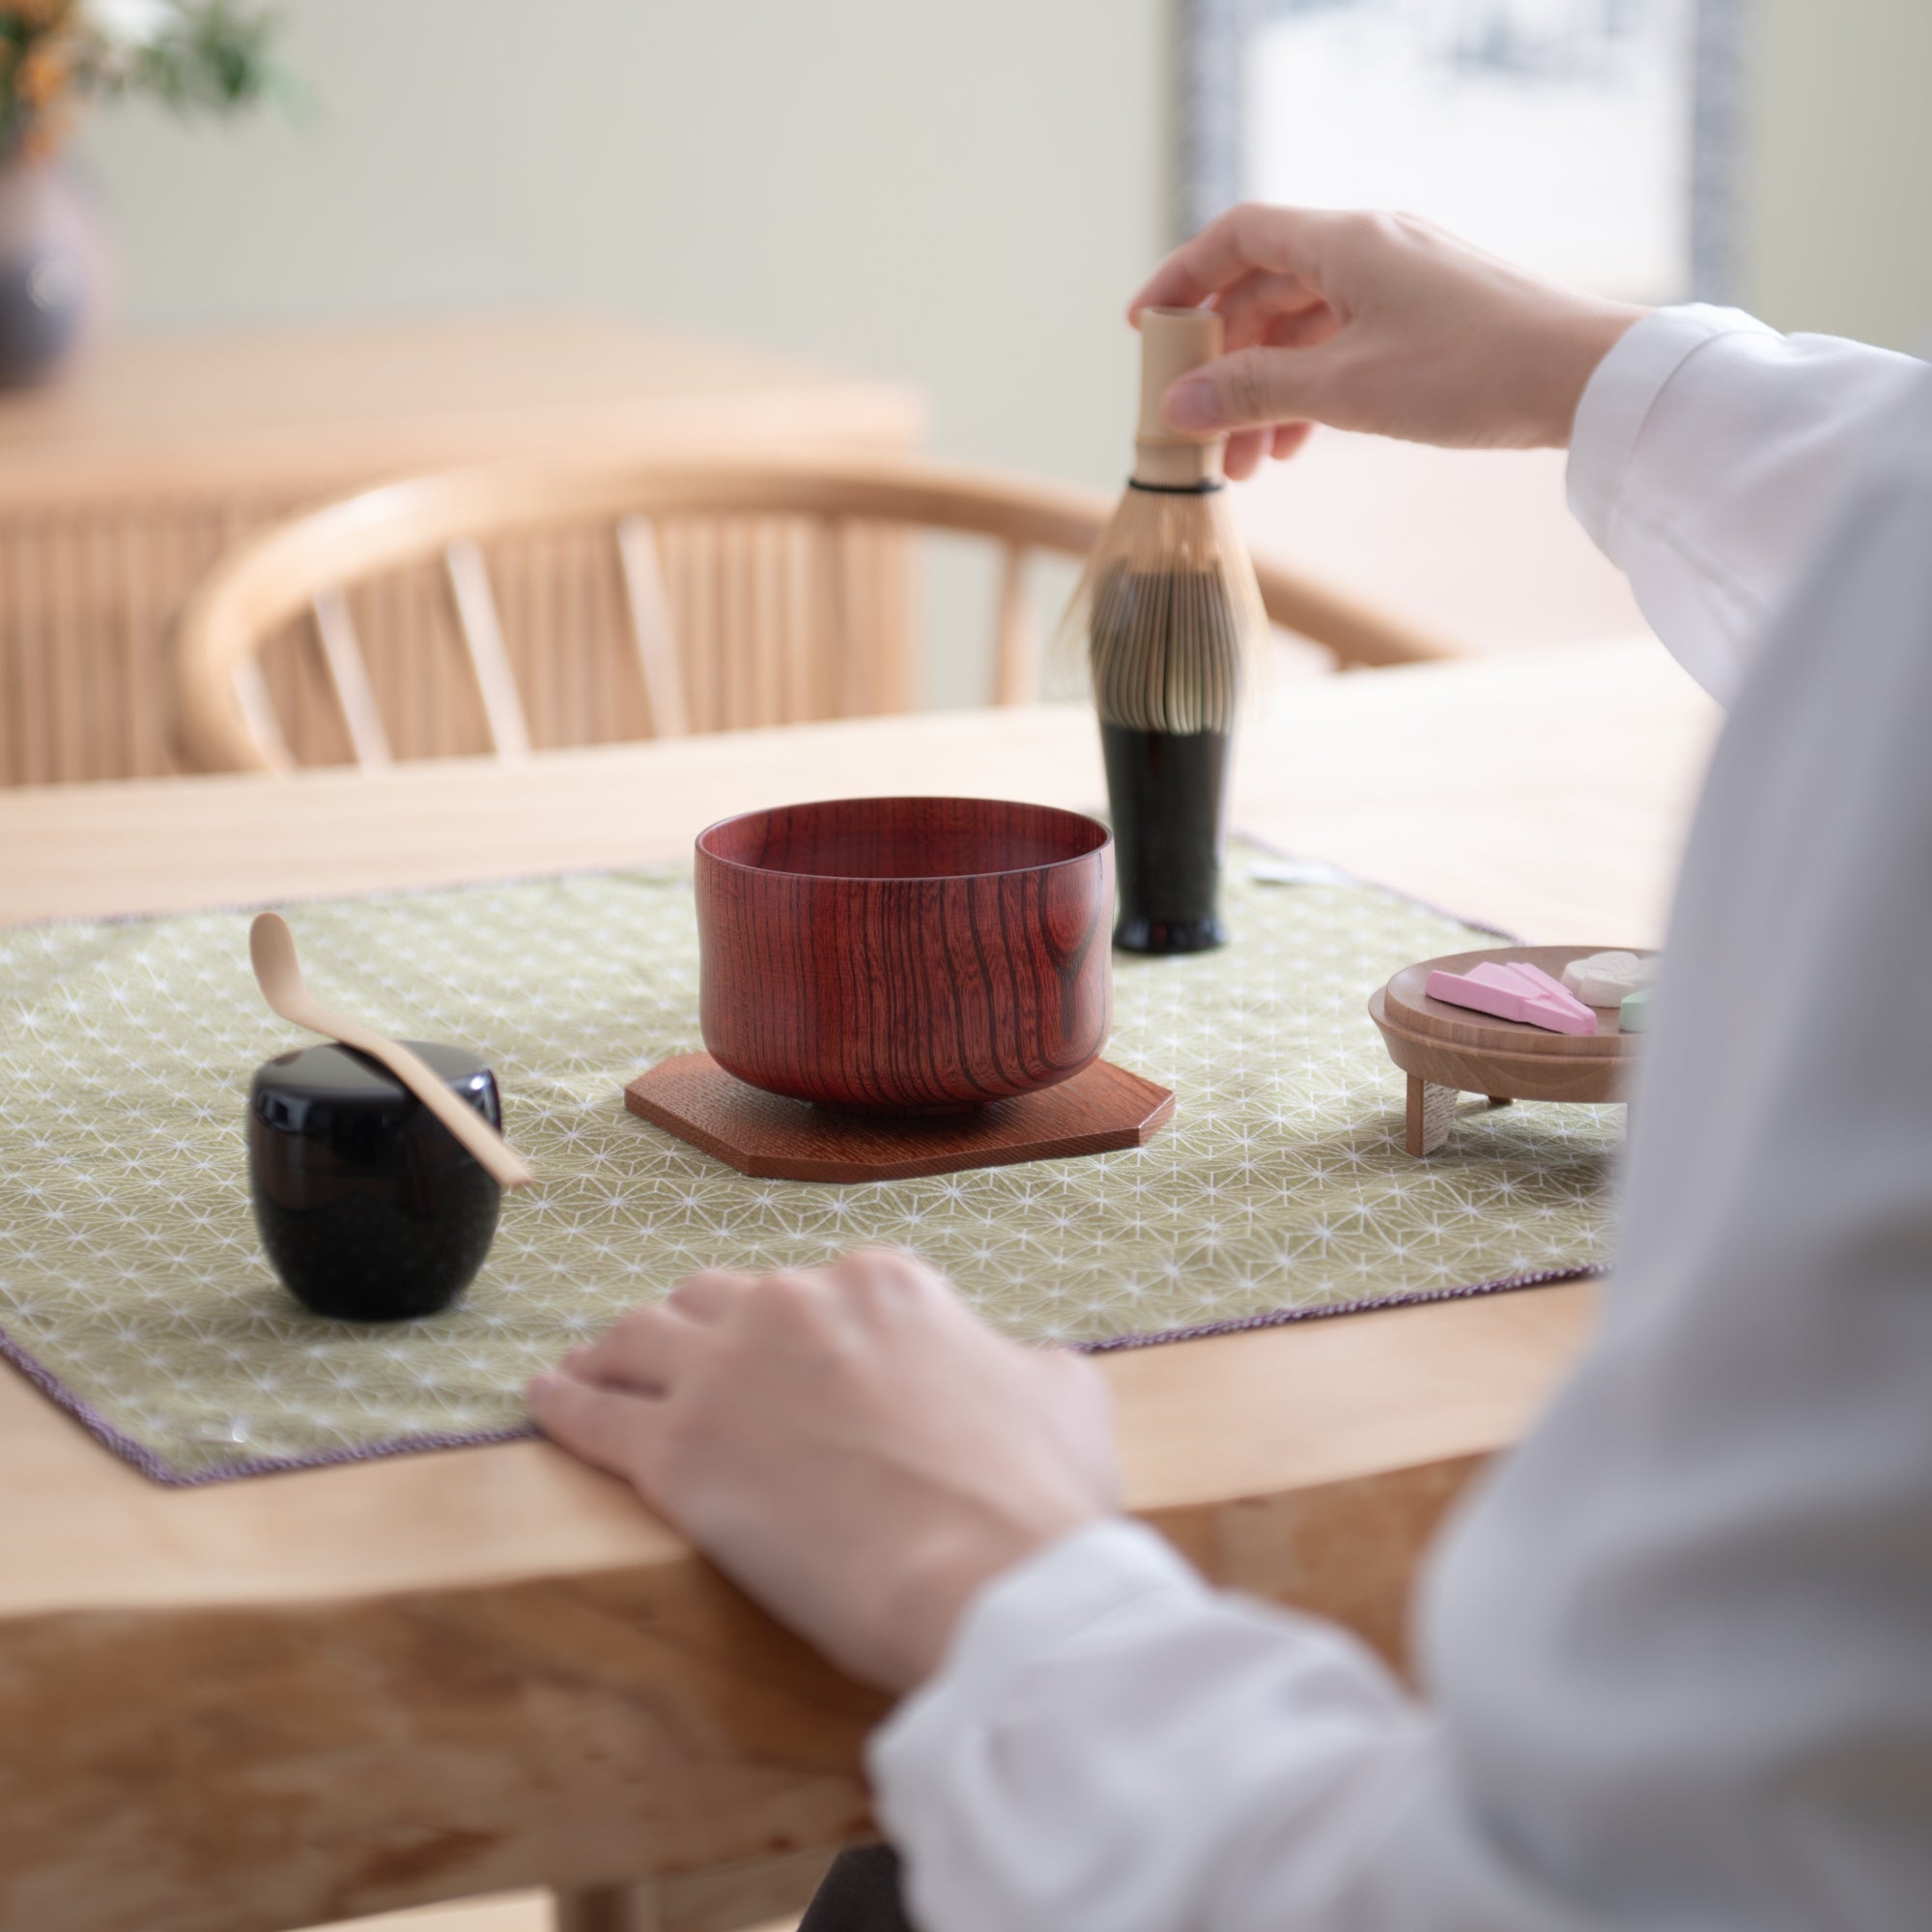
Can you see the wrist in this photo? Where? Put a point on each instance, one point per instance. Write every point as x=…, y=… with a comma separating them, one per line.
x=1589, y=334
x=941, y=1576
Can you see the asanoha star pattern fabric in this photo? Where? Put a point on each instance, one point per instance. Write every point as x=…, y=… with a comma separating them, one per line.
x=134, y=1290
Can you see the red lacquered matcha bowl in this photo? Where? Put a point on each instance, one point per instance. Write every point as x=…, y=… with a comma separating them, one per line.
x=905, y=955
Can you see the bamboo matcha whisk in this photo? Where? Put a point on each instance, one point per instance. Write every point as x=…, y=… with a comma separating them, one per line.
x=1168, y=626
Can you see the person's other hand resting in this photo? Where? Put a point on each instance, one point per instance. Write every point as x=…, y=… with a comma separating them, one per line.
x=849, y=1444
x=1381, y=322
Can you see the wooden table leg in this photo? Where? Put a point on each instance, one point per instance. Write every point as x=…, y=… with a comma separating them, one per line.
x=725, y=1898
x=609, y=1907
x=1430, y=1111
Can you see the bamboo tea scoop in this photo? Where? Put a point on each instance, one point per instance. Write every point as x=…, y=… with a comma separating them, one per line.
x=271, y=949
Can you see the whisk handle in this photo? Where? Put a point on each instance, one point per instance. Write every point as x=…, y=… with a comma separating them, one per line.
x=1174, y=341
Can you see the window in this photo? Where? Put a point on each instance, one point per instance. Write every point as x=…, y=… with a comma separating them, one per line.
x=1587, y=139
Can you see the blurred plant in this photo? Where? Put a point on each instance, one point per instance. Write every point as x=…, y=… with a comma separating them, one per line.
x=196, y=56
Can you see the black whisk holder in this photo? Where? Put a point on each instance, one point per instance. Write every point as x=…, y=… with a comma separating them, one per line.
x=1169, y=798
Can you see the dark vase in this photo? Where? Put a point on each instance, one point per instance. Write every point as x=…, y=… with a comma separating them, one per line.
x=1168, y=792
x=368, y=1207
x=52, y=271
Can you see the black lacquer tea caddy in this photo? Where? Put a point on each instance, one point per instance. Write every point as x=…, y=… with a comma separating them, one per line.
x=368, y=1207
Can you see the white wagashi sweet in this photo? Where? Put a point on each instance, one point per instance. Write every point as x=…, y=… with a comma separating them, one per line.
x=1607, y=978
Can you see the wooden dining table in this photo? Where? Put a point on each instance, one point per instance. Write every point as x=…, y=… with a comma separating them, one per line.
x=297, y=1698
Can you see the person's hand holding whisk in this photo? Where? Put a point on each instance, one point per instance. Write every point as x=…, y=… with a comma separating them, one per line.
x=1381, y=322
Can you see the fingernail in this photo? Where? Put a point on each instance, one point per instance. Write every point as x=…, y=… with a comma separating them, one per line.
x=541, y=1385
x=1194, y=404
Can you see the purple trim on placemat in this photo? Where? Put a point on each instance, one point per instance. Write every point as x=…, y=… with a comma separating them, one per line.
x=495, y=882
x=1279, y=1317
x=159, y=1470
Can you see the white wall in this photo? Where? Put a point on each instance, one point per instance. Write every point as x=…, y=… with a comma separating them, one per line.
x=961, y=194
x=1838, y=176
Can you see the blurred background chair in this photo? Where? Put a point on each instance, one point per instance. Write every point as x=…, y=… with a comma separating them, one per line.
x=123, y=483
x=705, y=593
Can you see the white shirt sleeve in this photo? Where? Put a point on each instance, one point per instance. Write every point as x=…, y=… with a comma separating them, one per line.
x=1679, y=1647
x=1707, y=452
x=1033, y=1783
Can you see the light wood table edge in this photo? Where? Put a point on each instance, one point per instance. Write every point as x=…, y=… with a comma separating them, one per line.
x=439, y=1744
x=1318, y=1448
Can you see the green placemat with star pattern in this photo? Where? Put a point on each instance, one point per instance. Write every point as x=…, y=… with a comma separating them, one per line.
x=132, y=1289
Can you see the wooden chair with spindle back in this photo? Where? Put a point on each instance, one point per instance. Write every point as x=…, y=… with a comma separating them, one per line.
x=801, y=567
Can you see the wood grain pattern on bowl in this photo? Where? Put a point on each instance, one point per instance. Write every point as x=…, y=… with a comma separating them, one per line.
x=897, y=955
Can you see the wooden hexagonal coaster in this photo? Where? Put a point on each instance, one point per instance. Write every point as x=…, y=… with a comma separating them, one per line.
x=1099, y=1111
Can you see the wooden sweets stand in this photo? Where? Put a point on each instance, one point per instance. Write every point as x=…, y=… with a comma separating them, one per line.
x=1448, y=1051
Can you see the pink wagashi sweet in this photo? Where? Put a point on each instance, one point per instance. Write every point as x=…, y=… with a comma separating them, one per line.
x=1525, y=969
x=1530, y=978
x=1548, y=996
x=1513, y=989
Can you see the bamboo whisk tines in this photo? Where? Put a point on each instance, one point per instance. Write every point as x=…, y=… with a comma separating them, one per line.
x=1166, y=627
x=1173, y=640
